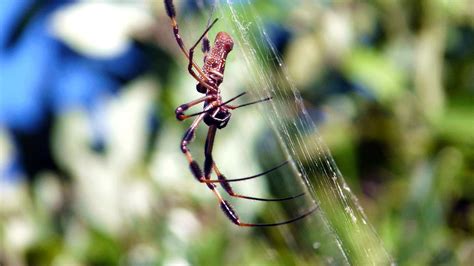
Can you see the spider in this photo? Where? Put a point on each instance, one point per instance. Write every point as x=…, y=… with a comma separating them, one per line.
x=216, y=114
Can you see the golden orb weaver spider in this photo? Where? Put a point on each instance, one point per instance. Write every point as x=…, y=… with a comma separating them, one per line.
x=216, y=114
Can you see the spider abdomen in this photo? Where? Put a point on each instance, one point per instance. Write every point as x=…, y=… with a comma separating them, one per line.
x=214, y=64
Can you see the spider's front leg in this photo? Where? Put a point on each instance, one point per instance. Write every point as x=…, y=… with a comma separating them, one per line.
x=205, y=45
x=201, y=78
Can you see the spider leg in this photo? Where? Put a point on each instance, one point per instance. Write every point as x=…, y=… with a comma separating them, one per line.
x=233, y=107
x=205, y=44
x=214, y=106
x=228, y=188
x=193, y=165
x=209, y=164
x=248, y=177
x=209, y=161
x=205, y=48
x=225, y=206
x=198, y=174
x=170, y=10
x=281, y=223
x=182, y=108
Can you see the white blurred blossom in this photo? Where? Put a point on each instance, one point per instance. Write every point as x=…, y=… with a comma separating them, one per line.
x=100, y=28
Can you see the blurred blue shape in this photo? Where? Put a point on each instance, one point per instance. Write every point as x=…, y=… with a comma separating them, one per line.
x=279, y=35
x=79, y=84
x=40, y=75
x=10, y=12
x=11, y=172
x=25, y=61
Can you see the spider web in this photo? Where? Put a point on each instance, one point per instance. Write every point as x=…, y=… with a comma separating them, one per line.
x=339, y=212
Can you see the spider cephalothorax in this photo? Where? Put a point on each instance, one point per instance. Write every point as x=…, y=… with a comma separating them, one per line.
x=219, y=117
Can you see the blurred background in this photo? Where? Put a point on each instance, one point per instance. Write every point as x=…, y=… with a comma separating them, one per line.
x=90, y=167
